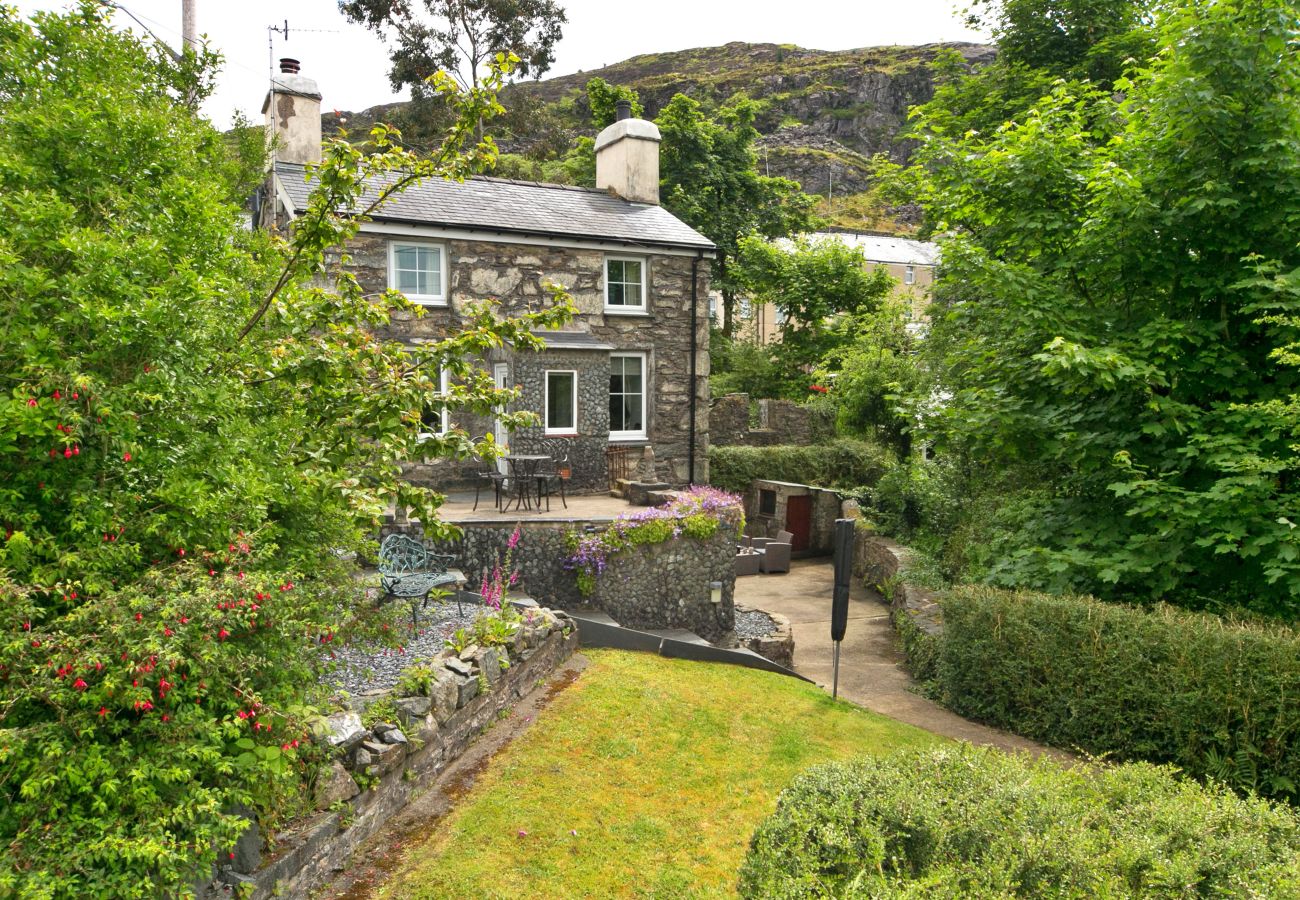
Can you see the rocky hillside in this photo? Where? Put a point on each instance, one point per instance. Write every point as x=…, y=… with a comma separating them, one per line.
x=824, y=113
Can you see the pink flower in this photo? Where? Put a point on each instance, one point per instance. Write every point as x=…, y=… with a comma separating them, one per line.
x=80, y=685
x=126, y=457
x=514, y=539
x=31, y=402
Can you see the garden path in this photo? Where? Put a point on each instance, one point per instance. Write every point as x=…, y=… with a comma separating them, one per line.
x=872, y=674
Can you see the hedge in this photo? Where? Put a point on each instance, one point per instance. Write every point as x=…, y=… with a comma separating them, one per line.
x=835, y=464
x=1214, y=697
x=963, y=822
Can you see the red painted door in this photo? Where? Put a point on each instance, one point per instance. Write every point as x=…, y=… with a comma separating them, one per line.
x=798, y=521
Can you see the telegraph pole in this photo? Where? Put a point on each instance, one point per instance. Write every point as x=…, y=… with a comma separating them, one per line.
x=189, y=28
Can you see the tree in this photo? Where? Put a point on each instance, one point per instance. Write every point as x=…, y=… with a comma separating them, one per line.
x=1117, y=322
x=710, y=180
x=197, y=421
x=824, y=292
x=460, y=36
x=1040, y=42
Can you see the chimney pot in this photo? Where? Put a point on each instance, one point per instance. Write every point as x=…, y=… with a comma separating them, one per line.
x=289, y=66
x=623, y=110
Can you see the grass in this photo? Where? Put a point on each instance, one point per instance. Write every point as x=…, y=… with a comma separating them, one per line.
x=663, y=768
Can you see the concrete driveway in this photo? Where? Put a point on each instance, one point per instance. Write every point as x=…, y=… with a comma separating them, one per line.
x=871, y=666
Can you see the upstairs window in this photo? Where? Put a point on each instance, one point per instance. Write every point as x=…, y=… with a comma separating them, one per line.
x=909, y=275
x=561, y=401
x=624, y=285
x=418, y=271
x=627, y=396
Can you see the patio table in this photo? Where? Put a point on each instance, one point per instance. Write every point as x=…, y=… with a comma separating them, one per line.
x=523, y=472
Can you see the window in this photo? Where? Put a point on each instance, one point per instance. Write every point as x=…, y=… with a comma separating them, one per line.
x=436, y=419
x=909, y=274
x=746, y=309
x=417, y=271
x=624, y=285
x=561, y=402
x=627, y=396
x=766, y=502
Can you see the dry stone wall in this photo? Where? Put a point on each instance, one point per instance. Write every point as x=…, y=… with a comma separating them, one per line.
x=466, y=693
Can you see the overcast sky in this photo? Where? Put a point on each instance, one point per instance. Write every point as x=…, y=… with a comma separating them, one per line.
x=351, y=64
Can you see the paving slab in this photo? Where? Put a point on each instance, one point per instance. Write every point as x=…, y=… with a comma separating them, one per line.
x=872, y=673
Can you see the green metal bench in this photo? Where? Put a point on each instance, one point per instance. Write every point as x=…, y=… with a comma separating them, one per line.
x=409, y=570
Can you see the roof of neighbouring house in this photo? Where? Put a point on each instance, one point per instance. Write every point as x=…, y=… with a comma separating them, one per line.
x=882, y=248
x=505, y=206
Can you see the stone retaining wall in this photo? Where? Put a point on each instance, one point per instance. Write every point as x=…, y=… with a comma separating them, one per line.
x=915, y=612
x=650, y=586
x=466, y=694
x=777, y=646
x=779, y=422
x=668, y=585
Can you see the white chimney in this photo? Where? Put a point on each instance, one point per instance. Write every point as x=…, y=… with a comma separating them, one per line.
x=627, y=157
x=292, y=110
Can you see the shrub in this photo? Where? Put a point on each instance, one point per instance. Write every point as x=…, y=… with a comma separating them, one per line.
x=1215, y=697
x=958, y=821
x=696, y=514
x=838, y=464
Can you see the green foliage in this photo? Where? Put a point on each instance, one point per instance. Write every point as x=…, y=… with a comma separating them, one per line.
x=822, y=288
x=415, y=681
x=738, y=366
x=197, y=420
x=602, y=99
x=875, y=377
x=497, y=628
x=381, y=710
x=841, y=463
x=978, y=823
x=1113, y=325
x=460, y=36
x=710, y=181
x=1213, y=696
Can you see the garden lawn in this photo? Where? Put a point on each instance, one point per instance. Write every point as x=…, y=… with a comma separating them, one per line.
x=645, y=778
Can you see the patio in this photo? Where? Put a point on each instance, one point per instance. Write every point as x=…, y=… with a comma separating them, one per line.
x=459, y=508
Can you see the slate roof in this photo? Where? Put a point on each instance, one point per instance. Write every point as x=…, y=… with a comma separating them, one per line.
x=497, y=205
x=885, y=249
x=572, y=340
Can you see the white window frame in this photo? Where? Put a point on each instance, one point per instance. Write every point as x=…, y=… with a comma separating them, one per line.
x=627, y=309
x=438, y=299
x=909, y=274
x=643, y=434
x=546, y=402
x=444, y=388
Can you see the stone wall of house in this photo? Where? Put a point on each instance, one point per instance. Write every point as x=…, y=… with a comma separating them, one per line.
x=779, y=422
x=466, y=694
x=516, y=275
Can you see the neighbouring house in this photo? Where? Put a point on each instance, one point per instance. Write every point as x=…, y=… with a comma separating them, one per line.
x=631, y=370
x=911, y=263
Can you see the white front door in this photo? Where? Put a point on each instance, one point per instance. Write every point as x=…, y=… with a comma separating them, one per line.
x=501, y=376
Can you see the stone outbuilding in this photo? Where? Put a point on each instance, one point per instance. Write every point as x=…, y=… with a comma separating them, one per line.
x=630, y=371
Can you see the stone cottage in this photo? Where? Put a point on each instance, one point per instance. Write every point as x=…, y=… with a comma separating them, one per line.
x=630, y=371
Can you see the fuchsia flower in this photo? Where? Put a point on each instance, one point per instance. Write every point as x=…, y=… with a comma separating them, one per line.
x=126, y=457
x=31, y=402
x=80, y=685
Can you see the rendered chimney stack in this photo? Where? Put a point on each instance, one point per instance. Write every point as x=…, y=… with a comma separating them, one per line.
x=292, y=110
x=627, y=157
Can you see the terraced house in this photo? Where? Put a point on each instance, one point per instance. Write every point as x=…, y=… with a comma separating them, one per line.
x=629, y=372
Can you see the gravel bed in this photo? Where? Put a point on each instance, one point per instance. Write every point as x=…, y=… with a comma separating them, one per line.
x=363, y=669
x=753, y=623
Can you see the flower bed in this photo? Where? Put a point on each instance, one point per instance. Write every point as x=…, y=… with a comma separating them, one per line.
x=696, y=513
